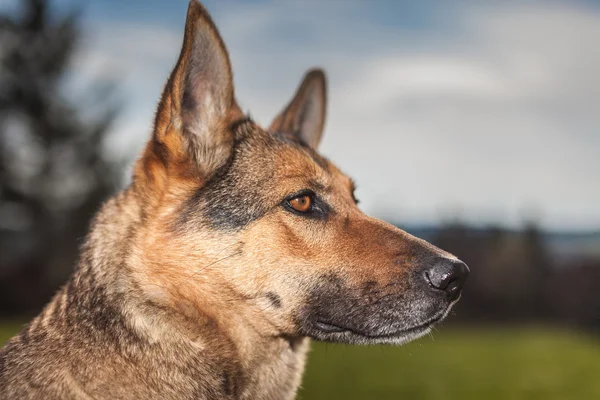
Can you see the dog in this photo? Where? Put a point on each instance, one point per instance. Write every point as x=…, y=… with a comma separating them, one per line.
x=231, y=249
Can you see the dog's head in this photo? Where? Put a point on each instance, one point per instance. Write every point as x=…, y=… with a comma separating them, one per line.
x=255, y=220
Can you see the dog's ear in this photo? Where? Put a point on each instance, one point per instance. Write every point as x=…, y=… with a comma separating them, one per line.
x=198, y=104
x=304, y=116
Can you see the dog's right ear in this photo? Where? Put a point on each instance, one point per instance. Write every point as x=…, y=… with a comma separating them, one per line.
x=198, y=104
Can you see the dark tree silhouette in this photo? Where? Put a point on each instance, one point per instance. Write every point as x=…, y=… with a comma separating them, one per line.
x=53, y=172
x=509, y=272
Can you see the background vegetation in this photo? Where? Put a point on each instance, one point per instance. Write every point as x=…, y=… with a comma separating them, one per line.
x=524, y=363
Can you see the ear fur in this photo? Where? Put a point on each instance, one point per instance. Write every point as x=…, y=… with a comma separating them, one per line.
x=304, y=116
x=198, y=104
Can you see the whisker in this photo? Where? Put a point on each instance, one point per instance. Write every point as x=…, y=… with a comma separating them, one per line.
x=214, y=262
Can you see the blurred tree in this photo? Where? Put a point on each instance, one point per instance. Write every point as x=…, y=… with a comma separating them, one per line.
x=53, y=171
x=541, y=267
x=509, y=271
x=575, y=300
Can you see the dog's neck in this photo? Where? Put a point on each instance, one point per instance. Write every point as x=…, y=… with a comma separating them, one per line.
x=257, y=363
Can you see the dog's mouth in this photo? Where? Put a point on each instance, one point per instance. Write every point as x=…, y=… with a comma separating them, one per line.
x=329, y=328
x=334, y=331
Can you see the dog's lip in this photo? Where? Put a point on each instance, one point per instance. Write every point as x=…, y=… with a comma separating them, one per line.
x=330, y=328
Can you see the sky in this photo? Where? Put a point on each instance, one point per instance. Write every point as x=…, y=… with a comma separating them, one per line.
x=484, y=111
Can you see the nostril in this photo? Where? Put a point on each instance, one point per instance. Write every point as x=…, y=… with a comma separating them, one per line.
x=438, y=280
x=448, y=275
x=454, y=286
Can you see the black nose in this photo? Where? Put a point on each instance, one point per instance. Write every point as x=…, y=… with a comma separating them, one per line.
x=448, y=276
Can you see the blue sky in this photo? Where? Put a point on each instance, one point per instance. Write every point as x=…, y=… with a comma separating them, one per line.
x=485, y=110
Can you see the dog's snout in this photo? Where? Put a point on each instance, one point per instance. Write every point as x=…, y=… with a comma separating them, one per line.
x=447, y=275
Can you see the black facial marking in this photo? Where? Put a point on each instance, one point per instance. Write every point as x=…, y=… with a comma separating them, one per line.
x=336, y=310
x=274, y=299
x=241, y=190
x=229, y=200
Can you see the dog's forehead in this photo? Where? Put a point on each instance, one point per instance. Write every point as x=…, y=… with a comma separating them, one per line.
x=284, y=157
x=310, y=165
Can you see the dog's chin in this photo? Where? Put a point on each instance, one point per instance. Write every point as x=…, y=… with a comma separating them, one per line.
x=329, y=331
x=324, y=331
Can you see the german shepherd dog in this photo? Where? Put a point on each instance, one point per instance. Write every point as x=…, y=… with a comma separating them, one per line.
x=232, y=247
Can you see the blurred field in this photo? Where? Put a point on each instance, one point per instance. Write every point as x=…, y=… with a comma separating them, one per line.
x=460, y=364
x=8, y=329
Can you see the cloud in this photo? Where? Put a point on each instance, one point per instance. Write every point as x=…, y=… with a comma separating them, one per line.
x=137, y=57
x=491, y=114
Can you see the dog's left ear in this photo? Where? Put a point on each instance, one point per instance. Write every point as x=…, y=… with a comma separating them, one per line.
x=198, y=103
x=304, y=116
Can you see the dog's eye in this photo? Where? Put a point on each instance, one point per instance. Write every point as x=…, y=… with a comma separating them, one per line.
x=307, y=204
x=301, y=203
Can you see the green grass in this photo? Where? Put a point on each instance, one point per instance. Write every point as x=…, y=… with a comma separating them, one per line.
x=8, y=329
x=460, y=364
x=463, y=364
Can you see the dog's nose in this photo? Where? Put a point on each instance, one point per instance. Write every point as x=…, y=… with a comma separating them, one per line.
x=448, y=276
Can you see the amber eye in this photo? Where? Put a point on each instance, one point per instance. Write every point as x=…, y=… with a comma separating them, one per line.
x=301, y=204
